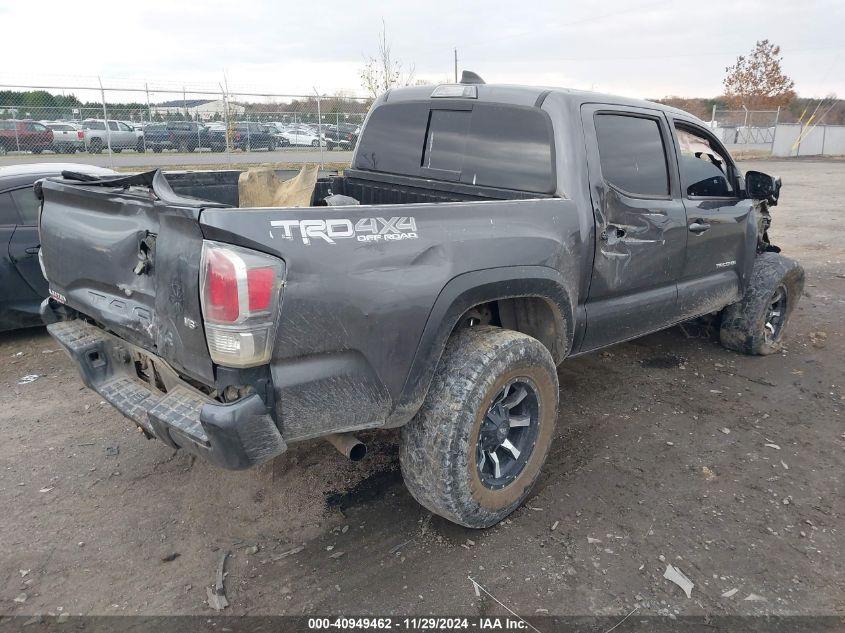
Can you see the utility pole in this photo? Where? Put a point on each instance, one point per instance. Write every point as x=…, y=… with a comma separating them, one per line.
x=456, y=65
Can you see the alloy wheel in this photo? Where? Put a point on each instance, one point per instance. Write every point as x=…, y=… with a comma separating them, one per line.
x=508, y=434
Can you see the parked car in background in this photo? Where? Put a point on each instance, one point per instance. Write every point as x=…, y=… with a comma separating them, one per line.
x=117, y=135
x=342, y=136
x=24, y=136
x=138, y=129
x=184, y=136
x=301, y=137
x=68, y=138
x=244, y=136
x=22, y=286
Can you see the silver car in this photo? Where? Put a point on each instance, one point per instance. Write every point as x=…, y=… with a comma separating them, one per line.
x=68, y=138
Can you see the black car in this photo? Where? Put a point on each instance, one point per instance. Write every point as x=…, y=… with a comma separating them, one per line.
x=244, y=136
x=342, y=136
x=184, y=136
x=22, y=286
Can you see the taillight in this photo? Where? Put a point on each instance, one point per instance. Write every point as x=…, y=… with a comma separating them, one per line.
x=80, y=135
x=240, y=291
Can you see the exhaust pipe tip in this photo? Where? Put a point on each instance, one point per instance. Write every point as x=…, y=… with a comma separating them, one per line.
x=357, y=452
x=348, y=445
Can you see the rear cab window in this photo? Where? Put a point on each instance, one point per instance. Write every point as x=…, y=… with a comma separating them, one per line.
x=462, y=142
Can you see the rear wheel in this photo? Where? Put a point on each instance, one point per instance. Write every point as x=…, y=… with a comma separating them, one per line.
x=755, y=325
x=315, y=143
x=139, y=146
x=3, y=149
x=157, y=149
x=96, y=146
x=474, y=450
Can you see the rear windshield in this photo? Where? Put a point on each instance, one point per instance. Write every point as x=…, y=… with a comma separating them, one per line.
x=491, y=145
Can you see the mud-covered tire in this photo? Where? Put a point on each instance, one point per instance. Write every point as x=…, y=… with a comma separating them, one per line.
x=439, y=447
x=743, y=327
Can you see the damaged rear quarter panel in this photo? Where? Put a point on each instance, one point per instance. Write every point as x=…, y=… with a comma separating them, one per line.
x=353, y=311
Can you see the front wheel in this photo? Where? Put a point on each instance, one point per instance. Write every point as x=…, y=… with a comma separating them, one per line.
x=755, y=325
x=475, y=448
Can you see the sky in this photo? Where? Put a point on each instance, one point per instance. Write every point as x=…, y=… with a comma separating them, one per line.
x=638, y=48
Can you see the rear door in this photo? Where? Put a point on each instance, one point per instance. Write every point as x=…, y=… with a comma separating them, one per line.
x=23, y=247
x=721, y=231
x=118, y=138
x=18, y=300
x=640, y=223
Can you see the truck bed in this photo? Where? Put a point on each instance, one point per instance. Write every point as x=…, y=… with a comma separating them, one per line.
x=365, y=187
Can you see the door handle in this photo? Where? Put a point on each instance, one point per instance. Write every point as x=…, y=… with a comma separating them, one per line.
x=698, y=227
x=32, y=250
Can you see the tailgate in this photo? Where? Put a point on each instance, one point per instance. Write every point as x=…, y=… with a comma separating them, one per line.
x=130, y=261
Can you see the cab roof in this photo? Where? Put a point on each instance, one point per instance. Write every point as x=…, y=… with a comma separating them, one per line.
x=529, y=96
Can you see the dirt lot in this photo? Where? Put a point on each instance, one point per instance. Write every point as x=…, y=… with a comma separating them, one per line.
x=668, y=449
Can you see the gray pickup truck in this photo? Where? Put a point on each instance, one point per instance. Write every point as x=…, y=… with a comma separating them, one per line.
x=482, y=235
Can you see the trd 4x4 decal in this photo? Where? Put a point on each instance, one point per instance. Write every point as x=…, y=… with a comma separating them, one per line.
x=364, y=230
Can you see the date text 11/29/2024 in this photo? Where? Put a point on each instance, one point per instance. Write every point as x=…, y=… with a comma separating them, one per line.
x=429, y=623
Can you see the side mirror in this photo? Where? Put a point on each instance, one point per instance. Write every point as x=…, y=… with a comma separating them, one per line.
x=760, y=186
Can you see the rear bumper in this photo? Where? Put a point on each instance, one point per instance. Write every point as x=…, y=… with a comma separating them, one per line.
x=233, y=436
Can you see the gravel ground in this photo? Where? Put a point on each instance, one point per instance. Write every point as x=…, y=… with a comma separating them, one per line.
x=669, y=450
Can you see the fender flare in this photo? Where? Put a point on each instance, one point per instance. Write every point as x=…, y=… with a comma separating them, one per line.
x=468, y=290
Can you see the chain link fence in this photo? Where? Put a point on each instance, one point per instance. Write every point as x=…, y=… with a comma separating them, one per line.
x=746, y=129
x=135, y=126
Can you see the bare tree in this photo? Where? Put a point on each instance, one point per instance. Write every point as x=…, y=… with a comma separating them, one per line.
x=758, y=81
x=383, y=72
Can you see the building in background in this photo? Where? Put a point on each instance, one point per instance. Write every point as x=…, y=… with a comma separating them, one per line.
x=197, y=109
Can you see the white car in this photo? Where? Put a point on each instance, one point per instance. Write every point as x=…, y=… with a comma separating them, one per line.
x=301, y=137
x=68, y=138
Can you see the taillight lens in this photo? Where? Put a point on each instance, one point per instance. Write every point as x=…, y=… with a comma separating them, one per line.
x=240, y=291
x=80, y=135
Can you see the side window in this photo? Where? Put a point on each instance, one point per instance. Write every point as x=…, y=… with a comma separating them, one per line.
x=27, y=205
x=124, y=127
x=632, y=154
x=113, y=126
x=705, y=171
x=8, y=214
